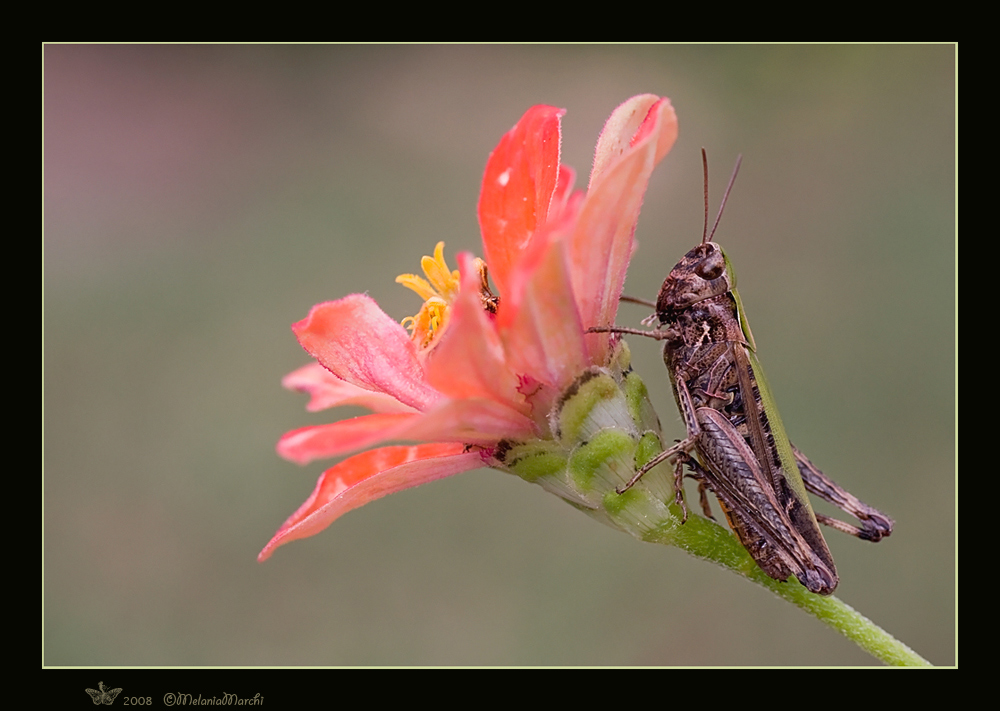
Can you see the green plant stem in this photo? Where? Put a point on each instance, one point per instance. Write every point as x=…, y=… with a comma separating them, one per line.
x=705, y=539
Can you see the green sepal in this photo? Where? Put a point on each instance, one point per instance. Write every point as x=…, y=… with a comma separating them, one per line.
x=600, y=451
x=615, y=503
x=536, y=459
x=577, y=405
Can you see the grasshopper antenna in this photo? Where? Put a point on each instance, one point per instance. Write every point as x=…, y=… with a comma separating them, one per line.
x=739, y=159
x=704, y=162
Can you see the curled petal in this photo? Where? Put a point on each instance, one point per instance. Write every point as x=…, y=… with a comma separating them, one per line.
x=355, y=340
x=659, y=126
x=369, y=476
x=520, y=178
x=631, y=122
x=602, y=243
x=327, y=390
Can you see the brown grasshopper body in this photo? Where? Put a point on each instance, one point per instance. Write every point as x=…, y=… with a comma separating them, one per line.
x=736, y=445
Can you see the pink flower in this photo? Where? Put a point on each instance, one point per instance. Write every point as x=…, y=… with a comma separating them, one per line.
x=477, y=371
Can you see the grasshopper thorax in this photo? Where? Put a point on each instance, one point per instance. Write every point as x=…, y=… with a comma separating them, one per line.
x=703, y=273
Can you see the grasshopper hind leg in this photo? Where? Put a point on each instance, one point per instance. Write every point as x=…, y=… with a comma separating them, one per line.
x=875, y=525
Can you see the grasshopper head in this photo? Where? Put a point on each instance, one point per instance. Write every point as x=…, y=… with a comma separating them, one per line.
x=702, y=273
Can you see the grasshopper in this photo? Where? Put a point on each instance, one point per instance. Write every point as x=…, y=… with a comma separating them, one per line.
x=736, y=445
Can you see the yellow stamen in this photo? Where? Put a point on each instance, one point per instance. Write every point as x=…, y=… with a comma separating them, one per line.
x=444, y=280
x=417, y=284
x=438, y=291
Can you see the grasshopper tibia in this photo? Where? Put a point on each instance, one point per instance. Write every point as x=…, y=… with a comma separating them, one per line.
x=677, y=449
x=875, y=525
x=679, y=486
x=706, y=508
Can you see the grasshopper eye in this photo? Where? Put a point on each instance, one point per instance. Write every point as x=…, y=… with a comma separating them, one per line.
x=711, y=267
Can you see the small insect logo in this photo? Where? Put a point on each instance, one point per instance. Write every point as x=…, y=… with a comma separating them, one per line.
x=104, y=696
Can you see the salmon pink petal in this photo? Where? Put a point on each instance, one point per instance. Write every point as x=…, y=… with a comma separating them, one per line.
x=520, y=178
x=469, y=421
x=469, y=361
x=564, y=188
x=369, y=476
x=327, y=390
x=473, y=421
x=323, y=441
x=602, y=242
x=659, y=126
x=540, y=326
x=631, y=122
x=355, y=340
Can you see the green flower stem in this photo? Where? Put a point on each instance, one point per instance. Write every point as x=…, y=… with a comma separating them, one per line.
x=706, y=539
x=604, y=427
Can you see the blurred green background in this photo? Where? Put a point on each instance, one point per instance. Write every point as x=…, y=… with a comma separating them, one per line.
x=199, y=200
